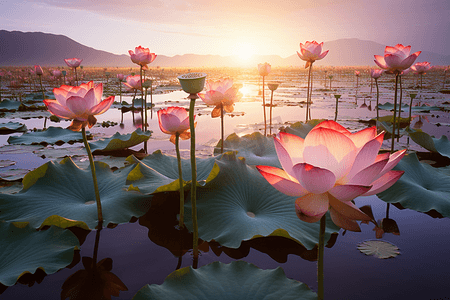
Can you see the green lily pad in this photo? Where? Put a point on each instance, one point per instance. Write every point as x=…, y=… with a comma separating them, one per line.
x=239, y=205
x=302, y=129
x=255, y=148
x=12, y=174
x=63, y=195
x=53, y=135
x=10, y=127
x=8, y=105
x=422, y=188
x=25, y=250
x=388, y=128
x=432, y=144
x=120, y=142
x=379, y=249
x=158, y=172
x=390, y=106
x=219, y=281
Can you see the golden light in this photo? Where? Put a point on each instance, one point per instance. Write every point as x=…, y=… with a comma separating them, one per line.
x=244, y=50
x=245, y=90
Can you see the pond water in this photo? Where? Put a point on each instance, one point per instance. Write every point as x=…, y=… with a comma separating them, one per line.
x=419, y=272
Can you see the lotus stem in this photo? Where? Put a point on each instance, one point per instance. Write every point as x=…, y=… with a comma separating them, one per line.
x=336, y=111
x=42, y=88
x=94, y=178
x=76, y=76
x=177, y=148
x=221, y=127
x=194, y=179
x=395, y=112
x=264, y=108
x=270, y=113
x=387, y=210
x=378, y=97
x=320, y=276
x=308, y=93
x=399, y=109
x=97, y=241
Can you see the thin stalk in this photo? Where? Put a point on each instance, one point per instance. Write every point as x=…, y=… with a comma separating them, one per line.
x=221, y=128
x=177, y=148
x=76, y=76
x=320, y=263
x=151, y=100
x=395, y=113
x=336, y=112
x=310, y=92
x=378, y=96
x=387, y=210
x=270, y=113
x=264, y=108
x=94, y=179
x=97, y=241
x=194, y=179
x=307, y=93
x=410, y=110
x=399, y=109
x=42, y=88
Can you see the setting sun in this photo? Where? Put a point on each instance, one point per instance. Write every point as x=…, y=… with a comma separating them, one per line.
x=244, y=51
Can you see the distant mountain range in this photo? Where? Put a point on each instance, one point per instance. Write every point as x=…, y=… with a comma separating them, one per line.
x=30, y=48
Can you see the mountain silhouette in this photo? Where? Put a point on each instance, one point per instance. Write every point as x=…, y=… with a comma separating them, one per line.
x=36, y=48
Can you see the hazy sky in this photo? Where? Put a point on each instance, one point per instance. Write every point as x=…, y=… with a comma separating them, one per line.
x=172, y=27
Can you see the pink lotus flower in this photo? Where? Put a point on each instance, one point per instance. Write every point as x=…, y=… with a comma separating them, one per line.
x=80, y=103
x=375, y=73
x=142, y=56
x=264, y=69
x=56, y=73
x=220, y=93
x=73, y=62
x=357, y=73
x=396, y=59
x=421, y=68
x=173, y=120
x=133, y=82
x=120, y=77
x=331, y=167
x=310, y=52
x=38, y=70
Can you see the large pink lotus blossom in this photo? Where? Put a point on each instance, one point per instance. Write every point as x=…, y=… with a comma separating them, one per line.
x=264, y=69
x=173, y=120
x=310, y=52
x=396, y=59
x=142, y=56
x=73, y=62
x=375, y=73
x=331, y=167
x=421, y=67
x=133, y=82
x=80, y=103
x=220, y=93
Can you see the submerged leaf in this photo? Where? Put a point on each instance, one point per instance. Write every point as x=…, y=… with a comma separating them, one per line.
x=379, y=249
x=218, y=281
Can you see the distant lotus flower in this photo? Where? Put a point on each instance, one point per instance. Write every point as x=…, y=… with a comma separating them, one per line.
x=264, y=69
x=396, y=59
x=56, y=73
x=310, y=52
x=38, y=70
x=174, y=120
x=80, y=103
x=121, y=77
x=73, y=62
x=133, y=82
x=142, y=56
x=329, y=168
x=222, y=94
x=421, y=67
x=357, y=73
x=375, y=73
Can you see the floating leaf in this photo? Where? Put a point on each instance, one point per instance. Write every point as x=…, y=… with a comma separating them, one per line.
x=55, y=191
x=422, y=188
x=441, y=146
x=158, y=172
x=8, y=105
x=302, y=129
x=390, y=106
x=237, y=280
x=25, y=250
x=239, y=205
x=120, y=142
x=10, y=127
x=53, y=135
x=379, y=249
x=255, y=148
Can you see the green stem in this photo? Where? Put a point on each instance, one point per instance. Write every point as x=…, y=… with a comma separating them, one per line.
x=399, y=109
x=307, y=92
x=194, y=178
x=320, y=276
x=270, y=113
x=94, y=178
x=177, y=148
x=221, y=127
x=76, y=76
x=97, y=240
x=310, y=93
x=336, y=112
x=395, y=113
x=378, y=96
x=143, y=109
x=264, y=107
